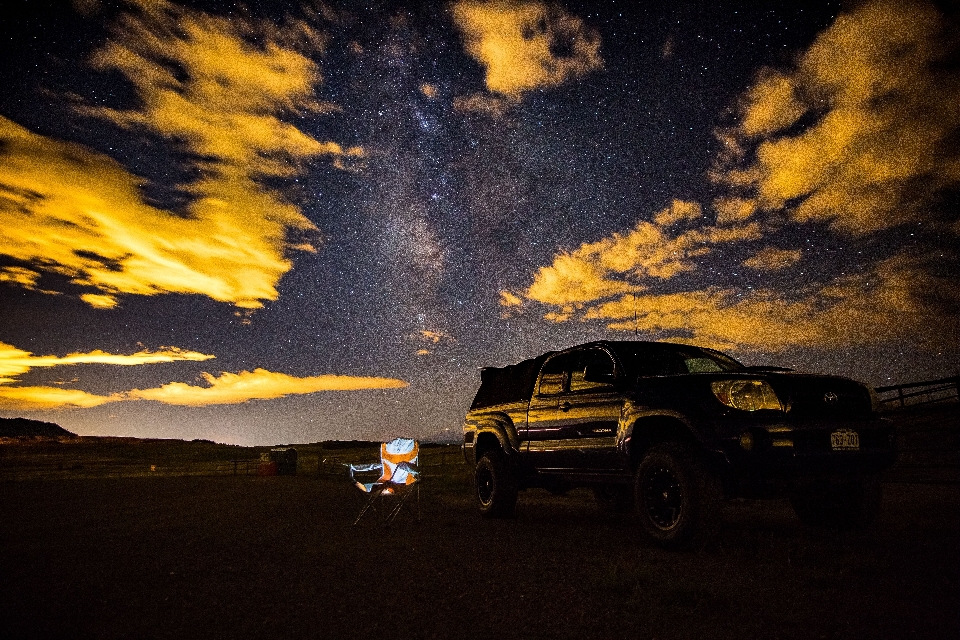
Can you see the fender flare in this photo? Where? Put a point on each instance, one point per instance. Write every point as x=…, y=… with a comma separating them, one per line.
x=503, y=429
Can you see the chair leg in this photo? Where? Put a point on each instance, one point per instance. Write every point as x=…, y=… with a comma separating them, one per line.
x=393, y=513
x=371, y=504
x=402, y=499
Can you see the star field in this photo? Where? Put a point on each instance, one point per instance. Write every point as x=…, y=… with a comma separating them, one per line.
x=295, y=224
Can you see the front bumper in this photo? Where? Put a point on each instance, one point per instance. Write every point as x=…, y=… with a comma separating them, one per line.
x=795, y=452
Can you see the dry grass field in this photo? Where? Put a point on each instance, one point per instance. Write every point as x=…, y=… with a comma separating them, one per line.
x=208, y=556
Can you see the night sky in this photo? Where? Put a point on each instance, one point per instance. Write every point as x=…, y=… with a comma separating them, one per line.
x=275, y=222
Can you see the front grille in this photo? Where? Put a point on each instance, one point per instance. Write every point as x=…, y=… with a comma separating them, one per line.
x=826, y=398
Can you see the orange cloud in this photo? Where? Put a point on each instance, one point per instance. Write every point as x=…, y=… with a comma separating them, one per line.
x=881, y=104
x=487, y=105
x=20, y=276
x=14, y=361
x=99, y=301
x=773, y=259
x=259, y=384
x=860, y=134
x=47, y=398
x=517, y=44
x=435, y=336
x=205, y=88
x=228, y=388
x=885, y=304
x=510, y=299
x=622, y=263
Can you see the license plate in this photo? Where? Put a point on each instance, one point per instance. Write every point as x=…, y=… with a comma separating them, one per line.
x=845, y=440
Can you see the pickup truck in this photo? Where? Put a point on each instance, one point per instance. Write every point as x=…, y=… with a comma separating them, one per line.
x=670, y=431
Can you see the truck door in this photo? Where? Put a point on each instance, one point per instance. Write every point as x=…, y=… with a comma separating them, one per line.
x=591, y=405
x=548, y=445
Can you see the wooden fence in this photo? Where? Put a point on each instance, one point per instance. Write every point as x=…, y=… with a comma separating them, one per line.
x=64, y=461
x=916, y=393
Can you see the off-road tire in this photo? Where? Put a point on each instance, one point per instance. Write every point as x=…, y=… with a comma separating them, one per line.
x=613, y=498
x=847, y=504
x=496, y=486
x=678, y=500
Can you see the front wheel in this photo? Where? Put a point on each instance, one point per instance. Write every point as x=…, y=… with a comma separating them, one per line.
x=496, y=486
x=678, y=500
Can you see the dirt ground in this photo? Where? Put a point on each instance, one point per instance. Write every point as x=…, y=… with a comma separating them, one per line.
x=277, y=557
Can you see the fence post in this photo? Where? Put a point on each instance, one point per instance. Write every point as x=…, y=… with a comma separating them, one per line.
x=900, y=393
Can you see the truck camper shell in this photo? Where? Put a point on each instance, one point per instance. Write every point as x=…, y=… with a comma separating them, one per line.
x=513, y=383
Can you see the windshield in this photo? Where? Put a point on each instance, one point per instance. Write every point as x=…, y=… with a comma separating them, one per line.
x=666, y=359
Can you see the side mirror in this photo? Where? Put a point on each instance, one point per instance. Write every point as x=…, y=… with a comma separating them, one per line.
x=593, y=373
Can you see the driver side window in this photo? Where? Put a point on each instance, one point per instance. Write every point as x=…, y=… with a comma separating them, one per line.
x=592, y=371
x=553, y=376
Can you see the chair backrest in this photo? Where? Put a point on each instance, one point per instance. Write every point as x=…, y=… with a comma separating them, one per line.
x=393, y=454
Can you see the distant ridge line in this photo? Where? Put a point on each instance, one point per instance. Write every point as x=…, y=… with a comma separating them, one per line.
x=25, y=428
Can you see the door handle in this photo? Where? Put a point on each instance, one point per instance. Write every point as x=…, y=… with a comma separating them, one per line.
x=565, y=406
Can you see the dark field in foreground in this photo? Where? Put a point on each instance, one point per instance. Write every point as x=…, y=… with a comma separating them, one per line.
x=276, y=557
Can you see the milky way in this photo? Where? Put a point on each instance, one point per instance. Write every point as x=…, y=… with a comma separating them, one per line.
x=263, y=224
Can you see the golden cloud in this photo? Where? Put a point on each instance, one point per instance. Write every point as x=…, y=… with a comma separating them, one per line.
x=228, y=388
x=14, y=361
x=526, y=45
x=487, y=105
x=99, y=300
x=510, y=299
x=883, y=106
x=773, y=259
x=620, y=263
x=20, y=276
x=435, y=336
x=259, y=384
x=878, y=306
x=861, y=135
x=206, y=89
x=47, y=398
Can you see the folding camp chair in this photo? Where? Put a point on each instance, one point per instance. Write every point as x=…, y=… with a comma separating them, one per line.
x=399, y=478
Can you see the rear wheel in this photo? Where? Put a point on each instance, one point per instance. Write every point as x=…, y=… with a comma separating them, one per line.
x=678, y=500
x=851, y=504
x=496, y=485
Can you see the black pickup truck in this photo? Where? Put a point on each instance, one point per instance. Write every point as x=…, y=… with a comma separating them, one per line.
x=671, y=430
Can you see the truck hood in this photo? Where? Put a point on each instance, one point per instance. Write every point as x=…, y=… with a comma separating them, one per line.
x=814, y=396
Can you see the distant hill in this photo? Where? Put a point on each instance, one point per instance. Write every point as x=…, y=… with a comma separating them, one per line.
x=21, y=427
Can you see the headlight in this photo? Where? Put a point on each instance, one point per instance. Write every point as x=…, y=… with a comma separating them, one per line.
x=746, y=395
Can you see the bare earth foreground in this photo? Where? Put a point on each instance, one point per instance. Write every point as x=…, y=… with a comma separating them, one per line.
x=277, y=557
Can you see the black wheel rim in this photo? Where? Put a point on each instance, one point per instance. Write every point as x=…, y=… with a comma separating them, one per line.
x=662, y=497
x=484, y=485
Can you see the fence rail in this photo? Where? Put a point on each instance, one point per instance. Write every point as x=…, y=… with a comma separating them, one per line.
x=67, y=463
x=917, y=393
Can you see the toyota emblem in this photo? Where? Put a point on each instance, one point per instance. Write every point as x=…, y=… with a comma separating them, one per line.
x=830, y=397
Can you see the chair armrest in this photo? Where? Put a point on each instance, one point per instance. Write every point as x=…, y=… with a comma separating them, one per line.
x=374, y=466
